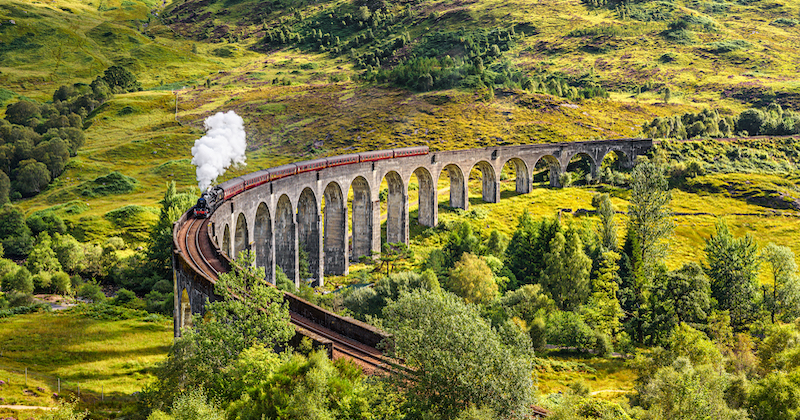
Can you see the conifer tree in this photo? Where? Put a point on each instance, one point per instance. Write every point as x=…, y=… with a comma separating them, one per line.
x=604, y=311
x=732, y=265
x=649, y=214
x=159, y=250
x=565, y=275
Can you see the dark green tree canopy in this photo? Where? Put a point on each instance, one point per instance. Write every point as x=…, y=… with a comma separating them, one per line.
x=121, y=79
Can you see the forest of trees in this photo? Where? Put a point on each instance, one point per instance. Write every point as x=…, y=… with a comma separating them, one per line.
x=774, y=120
x=56, y=262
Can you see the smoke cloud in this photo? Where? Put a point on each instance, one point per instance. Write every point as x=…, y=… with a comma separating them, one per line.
x=223, y=145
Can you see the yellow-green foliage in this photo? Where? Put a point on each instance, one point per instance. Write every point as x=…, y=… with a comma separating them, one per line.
x=609, y=379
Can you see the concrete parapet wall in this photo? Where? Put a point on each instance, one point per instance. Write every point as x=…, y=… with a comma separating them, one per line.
x=346, y=326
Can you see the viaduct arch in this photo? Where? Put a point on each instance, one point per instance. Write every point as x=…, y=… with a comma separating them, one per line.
x=334, y=214
x=310, y=212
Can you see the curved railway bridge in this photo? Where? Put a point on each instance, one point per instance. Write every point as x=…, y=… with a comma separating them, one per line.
x=277, y=218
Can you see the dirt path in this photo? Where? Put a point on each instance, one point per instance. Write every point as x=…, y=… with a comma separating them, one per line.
x=26, y=407
x=622, y=391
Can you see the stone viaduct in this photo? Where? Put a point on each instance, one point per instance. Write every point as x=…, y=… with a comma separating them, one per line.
x=310, y=210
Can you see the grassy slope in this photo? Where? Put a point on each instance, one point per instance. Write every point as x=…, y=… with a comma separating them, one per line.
x=108, y=356
x=284, y=121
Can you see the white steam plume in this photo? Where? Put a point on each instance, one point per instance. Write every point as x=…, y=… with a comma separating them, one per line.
x=222, y=146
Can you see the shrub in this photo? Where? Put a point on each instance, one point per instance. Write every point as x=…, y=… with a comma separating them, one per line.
x=781, y=21
x=19, y=310
x=603, y=346
x=61, y=283
x=106, y=312
x=20, y=280
x=282, y=281
x=668, y=57
x=91, y=290
x=363, y=301
x=113, y=183
x=120, y=79
x=727, y=46
x=125, y=216
x=568, y=329
x=162, y=286
x=223, y=52
x=124, y=297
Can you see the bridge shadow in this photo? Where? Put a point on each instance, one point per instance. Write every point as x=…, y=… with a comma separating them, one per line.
x=475, y=200
x=504, y=194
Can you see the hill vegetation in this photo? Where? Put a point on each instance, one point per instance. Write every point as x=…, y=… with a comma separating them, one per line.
x=102, y=100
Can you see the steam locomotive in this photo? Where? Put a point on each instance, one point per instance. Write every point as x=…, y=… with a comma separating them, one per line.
x=216, y=195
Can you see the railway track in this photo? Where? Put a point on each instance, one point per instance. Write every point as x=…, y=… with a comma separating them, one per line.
x=200, y=253
x=367, y=357
x=195, y=252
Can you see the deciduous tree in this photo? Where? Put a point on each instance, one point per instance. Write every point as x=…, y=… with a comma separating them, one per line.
x=42, y=257
x=32, y=177
x=14, y=232
x=784, y=296
x=5, y=188
x=680, y=296
x=456, y=358
x=250, y=313
x=159, y=247
x=473, y=280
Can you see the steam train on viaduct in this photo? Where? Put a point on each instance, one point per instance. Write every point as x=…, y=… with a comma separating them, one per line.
x=230, y=188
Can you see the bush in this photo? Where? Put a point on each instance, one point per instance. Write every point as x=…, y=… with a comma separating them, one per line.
x=113, y=183
x=46, y=221
x=91, y=290
x=19, y=310
x=125, y=216
x=17, y=299
x=124, y=297
x=727, y=46
x=120, y=79
x=603, y=346
x=157, y=302
x=538, y=333
x=781, y=21
x=61, y=283
x=106, y=312
x=20, y=280
x=282, y=281
x=163, y=286
x=568, y=329
x=363, y=301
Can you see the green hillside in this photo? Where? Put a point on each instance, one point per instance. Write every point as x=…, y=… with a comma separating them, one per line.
x=319, y=78
x=313, y=95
